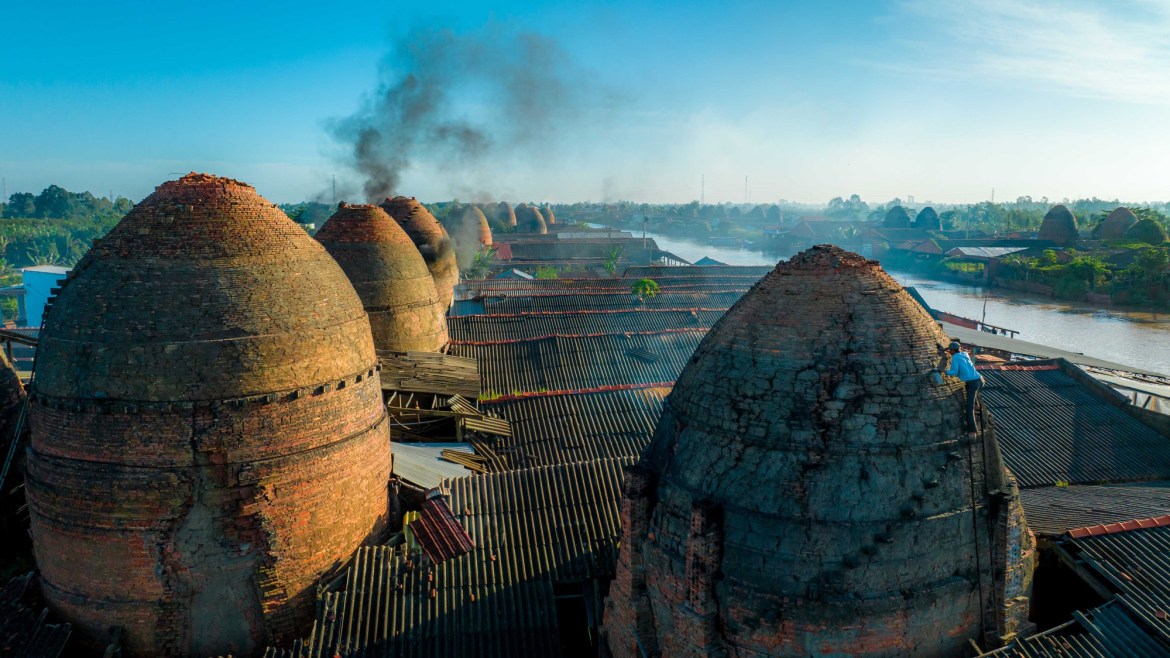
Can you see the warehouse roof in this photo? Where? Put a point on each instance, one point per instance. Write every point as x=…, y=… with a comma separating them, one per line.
x=1055, y=426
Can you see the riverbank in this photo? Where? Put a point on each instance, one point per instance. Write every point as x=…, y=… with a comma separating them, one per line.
x=1136, y=337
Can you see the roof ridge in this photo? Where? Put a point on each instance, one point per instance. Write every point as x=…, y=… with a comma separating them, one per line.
x=579, y=391
x=1120, y=526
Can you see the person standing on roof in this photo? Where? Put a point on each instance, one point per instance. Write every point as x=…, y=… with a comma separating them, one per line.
x=962, y=368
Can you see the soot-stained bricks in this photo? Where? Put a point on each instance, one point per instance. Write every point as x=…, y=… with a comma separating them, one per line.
x=390, y=277
x=208, y=435
x=808, y=490
x=432, y=242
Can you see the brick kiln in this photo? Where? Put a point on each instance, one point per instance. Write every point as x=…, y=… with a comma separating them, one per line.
x=390, y=277
x=474, y=214
x=809, y=491
x=208, y=435
x=432, y=241
x=529, y=220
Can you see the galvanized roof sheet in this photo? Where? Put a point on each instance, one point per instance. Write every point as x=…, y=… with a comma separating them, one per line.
x=655, y=271
x=421, y=464
x=511, y=286
x=1052, y=428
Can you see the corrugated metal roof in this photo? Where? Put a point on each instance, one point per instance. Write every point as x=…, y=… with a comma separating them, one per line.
x=655, y=271
x=536, y=325
x=562, y=429
x=511, y=286
x=985, y=252
x=1017, y=346
x=569, y=363
x=421, y=463
x=1136, y=565
x=595, y=301
x=1052, y=428
x=532, y=529
x=1109, y=631
x=1056, y=510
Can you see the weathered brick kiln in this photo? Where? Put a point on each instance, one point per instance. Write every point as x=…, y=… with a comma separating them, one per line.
x=432, y=241
x=810, y=492
x=208, y=435
x=390, y=277
x=529, y=219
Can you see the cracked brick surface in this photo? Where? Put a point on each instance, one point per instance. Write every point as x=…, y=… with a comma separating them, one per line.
x=207, y=431
x=432, y=242
x=390, y=277
x=808, y=490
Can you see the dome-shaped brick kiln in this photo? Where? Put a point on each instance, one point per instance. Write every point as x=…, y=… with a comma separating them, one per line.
x=529, y=219
x=208, y=434
x=1059, y=226
x=473, y=215
x=1117, y=223
x=808, y=490
x=432, y=241
x=390, y=277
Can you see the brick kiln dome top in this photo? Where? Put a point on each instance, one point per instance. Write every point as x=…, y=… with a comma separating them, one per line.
x=415, y=219
x=1116, y=224
x=475, y=215
x=826, y=332
x=204, y=291
x=807, y=486
x=1059, y=226
x=529, y=219
x=390, y=277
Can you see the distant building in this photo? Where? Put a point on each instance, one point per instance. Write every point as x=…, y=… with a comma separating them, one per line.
x=39, y=282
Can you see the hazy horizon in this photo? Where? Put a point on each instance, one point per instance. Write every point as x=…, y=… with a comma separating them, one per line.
x=939, y=100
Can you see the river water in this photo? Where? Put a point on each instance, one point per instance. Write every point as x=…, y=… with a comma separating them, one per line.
x=1135, y=338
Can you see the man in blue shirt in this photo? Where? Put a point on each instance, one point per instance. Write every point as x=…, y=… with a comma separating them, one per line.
x=962, y=368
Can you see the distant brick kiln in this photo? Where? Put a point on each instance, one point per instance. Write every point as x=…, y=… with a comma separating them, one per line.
x=208, y=435
x=390, y=277
x=432, y=241
x=809, y=491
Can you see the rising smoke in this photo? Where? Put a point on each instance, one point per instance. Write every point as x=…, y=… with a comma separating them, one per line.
x=461, y=101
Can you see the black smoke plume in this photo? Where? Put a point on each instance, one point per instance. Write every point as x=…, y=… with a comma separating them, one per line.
x=521, y=87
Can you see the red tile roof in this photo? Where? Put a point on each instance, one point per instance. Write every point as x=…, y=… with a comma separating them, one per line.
x=437, y=531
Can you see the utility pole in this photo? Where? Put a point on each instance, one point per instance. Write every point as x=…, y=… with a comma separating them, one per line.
x=4, y=199
x=745, y=191
x=335, y=190
x=703, y=190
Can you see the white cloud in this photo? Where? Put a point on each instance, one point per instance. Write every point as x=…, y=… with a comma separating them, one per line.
x=1107, y=50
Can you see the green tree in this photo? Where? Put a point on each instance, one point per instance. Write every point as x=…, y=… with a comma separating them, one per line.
x=482, y=263
x=645, y=288
x=1151, y=263
x=21, y=204
x=547, y=272
x=612, y=259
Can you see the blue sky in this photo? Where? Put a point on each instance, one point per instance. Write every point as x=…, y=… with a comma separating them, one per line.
x=939, y=100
